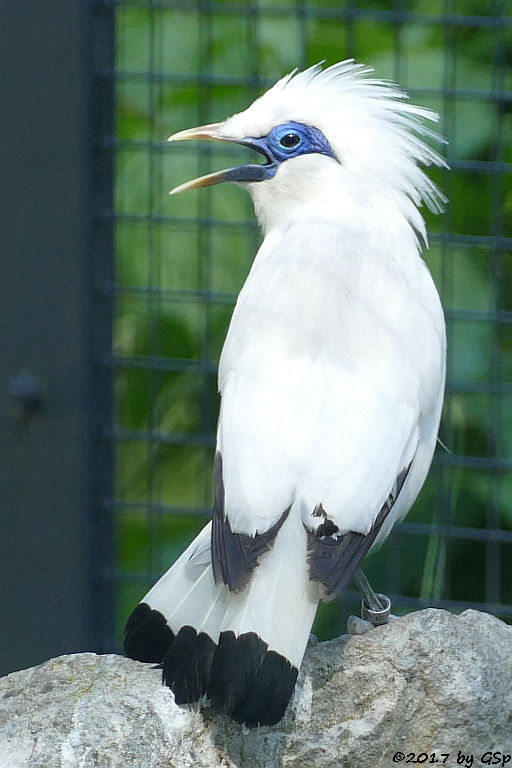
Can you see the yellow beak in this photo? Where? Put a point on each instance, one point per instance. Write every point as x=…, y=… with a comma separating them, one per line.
x=241, y=173
x=206, y=132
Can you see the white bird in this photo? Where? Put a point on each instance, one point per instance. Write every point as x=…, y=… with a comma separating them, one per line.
x=331, y=380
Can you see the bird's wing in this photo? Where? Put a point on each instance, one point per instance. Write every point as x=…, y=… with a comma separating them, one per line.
x=333, y=559
x=329, y=439
x=235, y=555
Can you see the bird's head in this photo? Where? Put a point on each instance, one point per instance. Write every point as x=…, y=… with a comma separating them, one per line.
x=330, y=138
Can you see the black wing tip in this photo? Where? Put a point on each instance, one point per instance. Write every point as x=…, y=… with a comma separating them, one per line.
x=333, y=559
x=236, y=555
x=147, y=636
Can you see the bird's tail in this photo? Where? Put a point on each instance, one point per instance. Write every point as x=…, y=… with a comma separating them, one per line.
x=242, y=649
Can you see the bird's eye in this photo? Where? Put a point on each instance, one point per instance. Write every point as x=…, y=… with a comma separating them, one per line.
x=290, y=140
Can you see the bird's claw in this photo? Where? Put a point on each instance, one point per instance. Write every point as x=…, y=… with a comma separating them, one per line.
x=358, y=626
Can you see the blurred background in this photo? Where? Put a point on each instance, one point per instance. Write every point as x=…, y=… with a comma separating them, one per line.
x=115, y=298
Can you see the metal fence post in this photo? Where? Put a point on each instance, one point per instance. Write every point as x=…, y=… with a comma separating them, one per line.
x=48, y=353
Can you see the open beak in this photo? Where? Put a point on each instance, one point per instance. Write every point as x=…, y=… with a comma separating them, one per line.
x=241, y=173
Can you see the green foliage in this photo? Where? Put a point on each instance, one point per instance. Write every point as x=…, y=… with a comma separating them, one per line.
x=180, y=262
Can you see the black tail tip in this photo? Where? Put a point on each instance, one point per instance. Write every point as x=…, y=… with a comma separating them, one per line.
x=250, y=683
x=186, y=666
x=240, y=675
x=147, y=636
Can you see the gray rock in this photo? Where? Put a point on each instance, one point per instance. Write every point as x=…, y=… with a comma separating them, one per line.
x=430, y=682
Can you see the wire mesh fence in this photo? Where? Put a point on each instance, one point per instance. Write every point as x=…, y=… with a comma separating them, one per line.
x=179, y=263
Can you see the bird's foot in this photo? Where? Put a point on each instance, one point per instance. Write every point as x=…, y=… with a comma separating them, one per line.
x=358, y=626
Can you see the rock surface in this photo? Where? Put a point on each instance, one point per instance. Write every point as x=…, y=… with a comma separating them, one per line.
x=430, y=682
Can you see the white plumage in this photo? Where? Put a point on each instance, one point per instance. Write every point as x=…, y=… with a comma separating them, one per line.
x=331, y=377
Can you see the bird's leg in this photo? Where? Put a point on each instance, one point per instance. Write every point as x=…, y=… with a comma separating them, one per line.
x=375, y=607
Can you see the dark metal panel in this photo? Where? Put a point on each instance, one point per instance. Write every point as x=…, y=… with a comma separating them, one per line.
x=47, y=491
